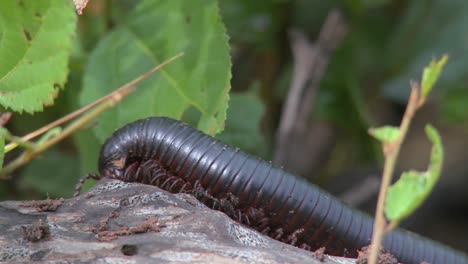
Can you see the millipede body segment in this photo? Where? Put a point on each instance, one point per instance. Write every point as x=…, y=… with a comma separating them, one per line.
x=175, y=157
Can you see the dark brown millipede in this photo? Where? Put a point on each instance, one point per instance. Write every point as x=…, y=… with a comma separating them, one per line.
x=175, y=157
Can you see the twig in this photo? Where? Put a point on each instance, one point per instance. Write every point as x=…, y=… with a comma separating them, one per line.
x=331, y=34
x=310, y=61
x=4, y=118
x=121, y=91
x=100, y=106
x=304, y=55
x=31, y=146
x=391, y=154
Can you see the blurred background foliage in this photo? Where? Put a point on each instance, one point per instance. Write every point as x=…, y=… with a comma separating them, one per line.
x=366, y=84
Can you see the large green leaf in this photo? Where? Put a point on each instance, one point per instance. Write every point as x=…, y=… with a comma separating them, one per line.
x=89, y=147
x=243, y=124
x=58, y=173
x=35, y=44
x=154, y=32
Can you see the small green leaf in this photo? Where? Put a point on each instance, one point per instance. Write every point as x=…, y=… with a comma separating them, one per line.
x=431, y=74
x=386, y=134
x=413, y=187
x=35, y=45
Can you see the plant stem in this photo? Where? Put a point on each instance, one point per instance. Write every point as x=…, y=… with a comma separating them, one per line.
x=29, y=155
x=389, y=167
x=85, y=108
x=18, y=141
x=99, y=106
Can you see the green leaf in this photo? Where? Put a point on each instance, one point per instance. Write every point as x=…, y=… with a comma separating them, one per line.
x=431, y=74
x=386, y=134
x=35, y=44
x=55, y=174
x=243, y=132
x=413, y=187
x=88, y=147
x=154, y=32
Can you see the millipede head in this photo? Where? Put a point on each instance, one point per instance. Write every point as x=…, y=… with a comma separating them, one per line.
x=113, y=168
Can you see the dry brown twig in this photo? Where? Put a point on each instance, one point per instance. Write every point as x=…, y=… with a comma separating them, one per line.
x=310, y=62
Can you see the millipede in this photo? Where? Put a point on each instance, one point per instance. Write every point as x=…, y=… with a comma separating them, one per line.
x=178, y=158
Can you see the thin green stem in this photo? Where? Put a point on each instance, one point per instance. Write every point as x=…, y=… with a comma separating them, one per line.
x=28, y=156
x=80, y=111
x=97, y=107
x=391, y=156
x=18, y=141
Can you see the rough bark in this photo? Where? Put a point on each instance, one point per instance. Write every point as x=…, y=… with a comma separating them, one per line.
x=119, y=222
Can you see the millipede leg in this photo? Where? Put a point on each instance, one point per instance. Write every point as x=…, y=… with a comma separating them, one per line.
x=247, y=220
x=266, y=230
x=182, y=189
x=292, y=239
x=168, y=180
x=130, y=171
x=215, y=205
x=154, y=180
x=174, y=184
x=239, y=216
x=305, y=246
x=278, y=233
x=263, y=222
x=82, y=181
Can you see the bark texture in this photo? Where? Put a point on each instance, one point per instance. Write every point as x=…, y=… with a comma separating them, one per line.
x=119, y=222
